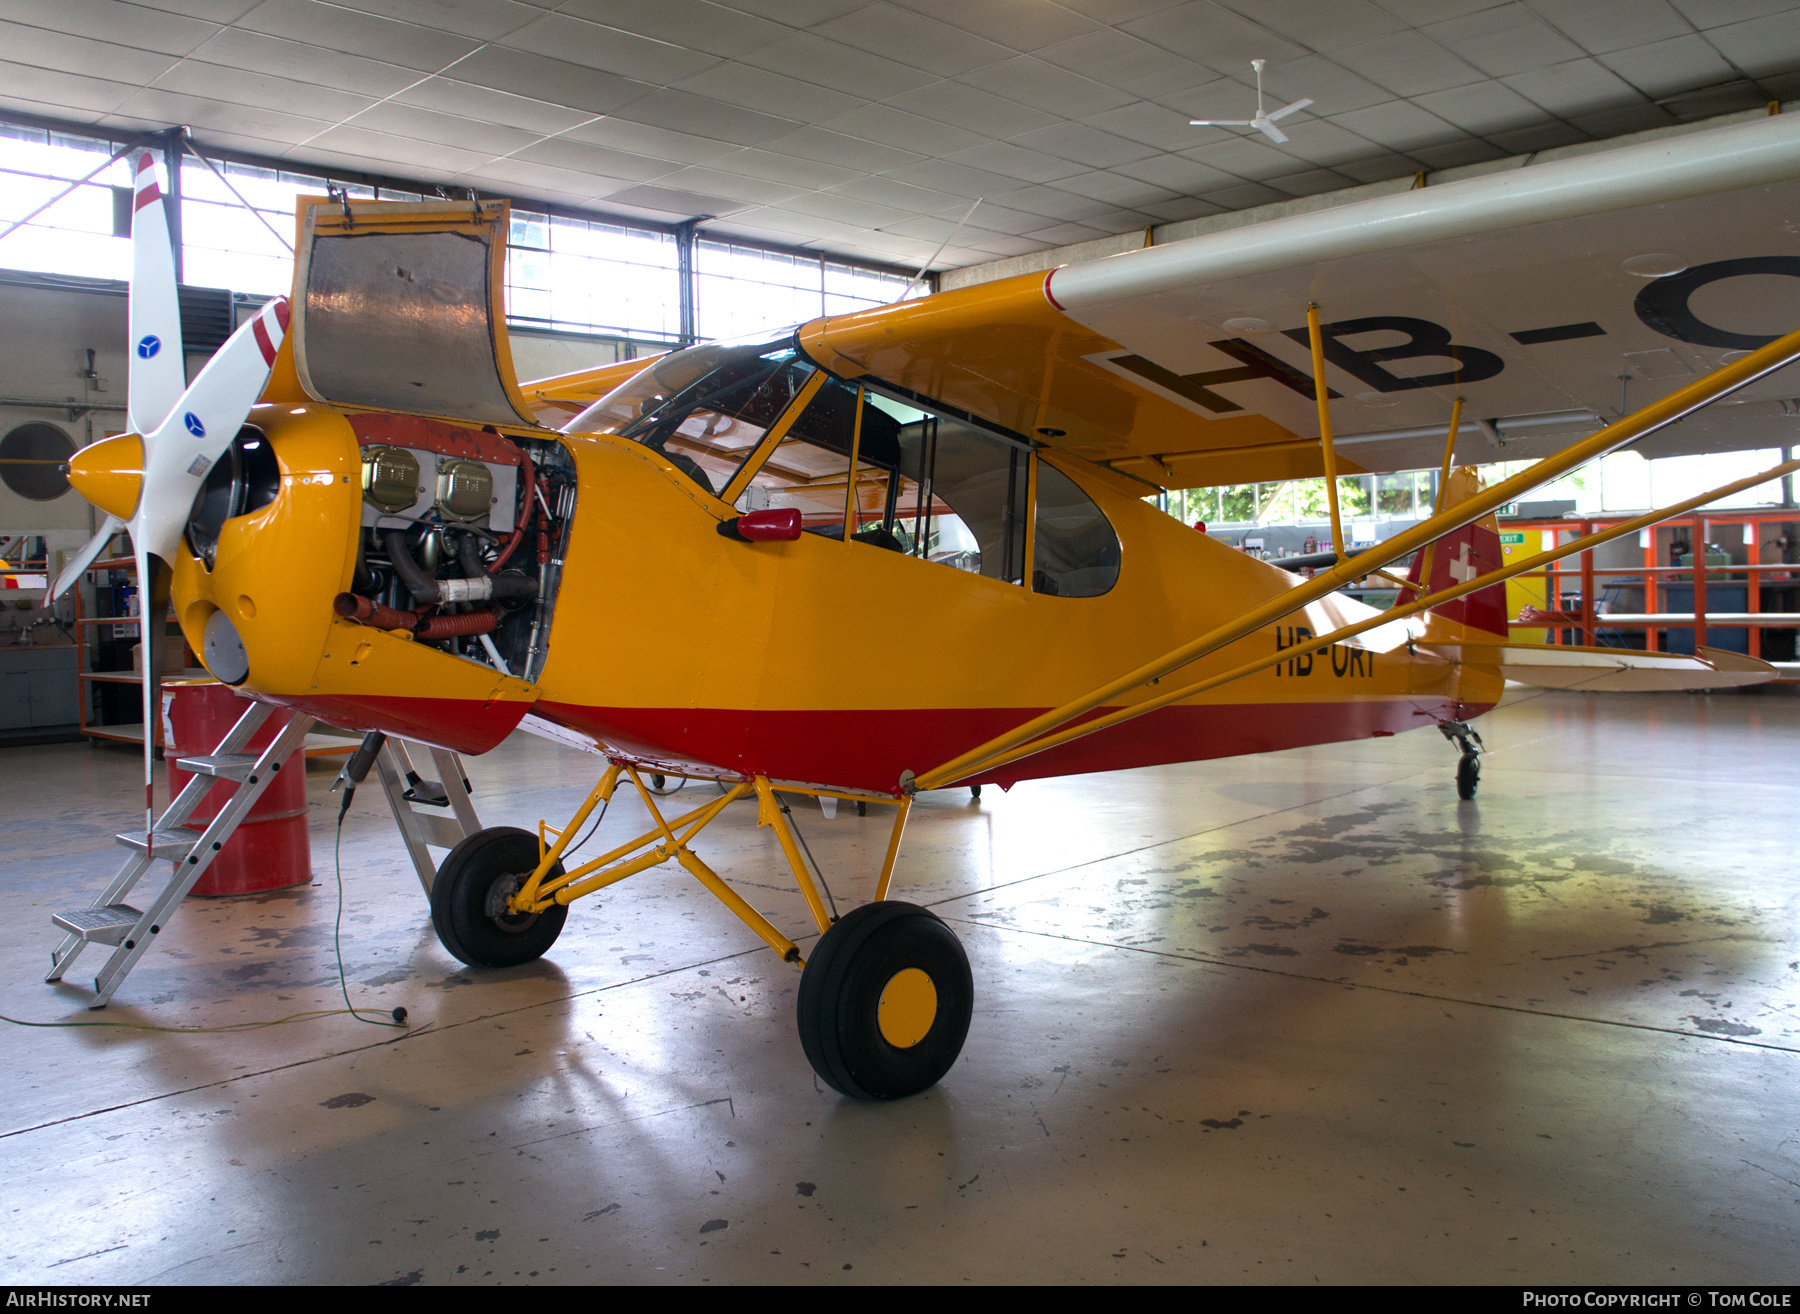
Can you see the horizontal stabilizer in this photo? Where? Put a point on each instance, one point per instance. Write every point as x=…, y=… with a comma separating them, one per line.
x=1611, y=670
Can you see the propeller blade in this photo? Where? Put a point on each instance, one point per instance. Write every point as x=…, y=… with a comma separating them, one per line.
x=154, y=579
x=77, y=565
x=1286, y=110
x=1272, y=132
x=201, y=425
x=1220, y=123
x=156, y=369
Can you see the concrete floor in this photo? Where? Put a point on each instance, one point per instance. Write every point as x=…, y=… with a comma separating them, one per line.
x=1293, y=1018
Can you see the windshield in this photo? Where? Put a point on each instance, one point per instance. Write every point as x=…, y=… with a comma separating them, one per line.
x=669, y=379
x=705, y=408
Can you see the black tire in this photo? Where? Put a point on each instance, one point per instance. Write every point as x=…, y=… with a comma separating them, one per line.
x=841, y=993
x=974, y=793
x=862, y=807
x=484, y=868
x=1468, y=776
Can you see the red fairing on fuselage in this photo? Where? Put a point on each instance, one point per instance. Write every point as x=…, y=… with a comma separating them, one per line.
x=869, y=749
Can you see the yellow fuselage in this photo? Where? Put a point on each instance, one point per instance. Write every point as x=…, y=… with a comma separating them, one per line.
x=815, y=660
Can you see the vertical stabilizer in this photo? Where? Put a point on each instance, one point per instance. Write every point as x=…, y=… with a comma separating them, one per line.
x=1461, y=556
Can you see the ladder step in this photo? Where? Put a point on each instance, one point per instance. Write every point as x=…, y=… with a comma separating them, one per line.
x=106, y=925
x=226, y=766
x=175, y=844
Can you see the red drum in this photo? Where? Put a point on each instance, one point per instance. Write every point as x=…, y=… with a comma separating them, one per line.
x=270, y=849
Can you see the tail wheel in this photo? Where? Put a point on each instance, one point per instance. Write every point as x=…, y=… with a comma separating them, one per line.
x=885, y=1002
x=1468, y=775
x=658, y=784
x=468, y=900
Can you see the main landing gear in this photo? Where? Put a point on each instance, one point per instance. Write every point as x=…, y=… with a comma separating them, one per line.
x=1468, y=766
x=885, y=1002
x=885, y=998
x=469, y=900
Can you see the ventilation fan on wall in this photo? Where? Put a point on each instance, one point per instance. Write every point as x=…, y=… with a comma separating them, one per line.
x=1263, y=123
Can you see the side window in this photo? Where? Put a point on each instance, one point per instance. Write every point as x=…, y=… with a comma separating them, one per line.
x=957, y=492
x=809, y=467
x=1075, y=553
x=926, y=484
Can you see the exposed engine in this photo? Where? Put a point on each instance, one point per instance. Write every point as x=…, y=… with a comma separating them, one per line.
x=463, y=536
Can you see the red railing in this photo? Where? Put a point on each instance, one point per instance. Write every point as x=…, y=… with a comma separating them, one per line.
x=1767, y=528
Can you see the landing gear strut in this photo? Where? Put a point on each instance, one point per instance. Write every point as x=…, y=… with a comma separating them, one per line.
x=1468, y=766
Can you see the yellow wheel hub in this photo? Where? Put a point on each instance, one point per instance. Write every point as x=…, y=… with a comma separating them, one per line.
x=908, y=1008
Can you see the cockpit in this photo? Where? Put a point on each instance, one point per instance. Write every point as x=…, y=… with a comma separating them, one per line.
x=758, y=425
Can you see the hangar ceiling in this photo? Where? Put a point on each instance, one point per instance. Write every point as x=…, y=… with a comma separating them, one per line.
x=865, y=129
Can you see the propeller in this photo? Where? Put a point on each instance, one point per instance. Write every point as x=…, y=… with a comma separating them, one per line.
x=156, y=368
x=146, y=481
x=1263, y=123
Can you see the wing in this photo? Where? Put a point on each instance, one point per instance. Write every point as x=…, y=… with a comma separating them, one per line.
x=561, y=397
x=1551, y=298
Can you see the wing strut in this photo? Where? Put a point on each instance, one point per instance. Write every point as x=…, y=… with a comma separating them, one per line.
x=1703, y=391
x=1442, y=596
x=1322, y=394
x=1443, y=487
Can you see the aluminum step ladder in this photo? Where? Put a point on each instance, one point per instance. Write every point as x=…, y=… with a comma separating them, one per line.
x=407, y=792
x=109, y=919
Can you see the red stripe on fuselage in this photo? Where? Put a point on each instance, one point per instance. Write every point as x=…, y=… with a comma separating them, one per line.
x=869, y=749
x=459, y=724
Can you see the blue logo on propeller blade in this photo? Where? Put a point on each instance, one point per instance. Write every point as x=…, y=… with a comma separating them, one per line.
x=193, y=425
x=149, y=345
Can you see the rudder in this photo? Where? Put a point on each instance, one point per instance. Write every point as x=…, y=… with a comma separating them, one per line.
x=1460, y=556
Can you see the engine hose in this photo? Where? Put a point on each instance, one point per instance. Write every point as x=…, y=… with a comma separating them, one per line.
x=467, y=556
x=352, y=607
x=418, y=583
x=524, y=517
x=366, y=612
x=426, y=590
x=457, y=627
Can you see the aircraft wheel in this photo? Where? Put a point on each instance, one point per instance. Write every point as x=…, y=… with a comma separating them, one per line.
x=862, y=807
x=885, y=1002
x=1468, y=775
x=658, y=784
x=468, y=900
x=974, y=793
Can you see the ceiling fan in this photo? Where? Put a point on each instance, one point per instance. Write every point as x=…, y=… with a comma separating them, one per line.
x=1263, y=123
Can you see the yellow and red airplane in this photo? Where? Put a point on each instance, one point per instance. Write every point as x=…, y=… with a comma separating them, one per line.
x=399, y=539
